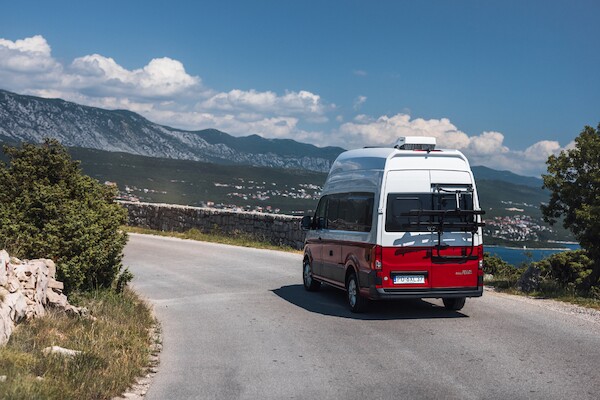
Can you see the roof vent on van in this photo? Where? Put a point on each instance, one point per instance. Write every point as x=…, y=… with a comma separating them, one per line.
x=415, y=143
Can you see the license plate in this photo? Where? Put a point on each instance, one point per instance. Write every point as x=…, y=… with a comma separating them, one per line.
x=408, y=279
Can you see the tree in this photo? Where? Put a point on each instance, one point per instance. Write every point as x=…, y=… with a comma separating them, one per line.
x=49, y=209
x=574, y=182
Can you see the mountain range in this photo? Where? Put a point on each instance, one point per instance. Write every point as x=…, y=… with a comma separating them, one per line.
x=31, y=119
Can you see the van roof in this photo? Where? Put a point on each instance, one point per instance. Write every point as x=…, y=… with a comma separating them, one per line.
x=376, y=158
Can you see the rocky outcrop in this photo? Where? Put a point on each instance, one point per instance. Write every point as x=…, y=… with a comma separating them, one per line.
x=32, y=119
x=27, y=289
x=530, y=280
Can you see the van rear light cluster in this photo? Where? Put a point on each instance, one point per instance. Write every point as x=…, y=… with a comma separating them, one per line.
x=481, y=263
x=377, y=258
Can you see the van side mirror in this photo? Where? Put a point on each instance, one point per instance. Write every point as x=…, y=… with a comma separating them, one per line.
x=306, y=223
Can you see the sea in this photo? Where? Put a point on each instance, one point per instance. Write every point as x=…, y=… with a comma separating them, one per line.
x=517, y=256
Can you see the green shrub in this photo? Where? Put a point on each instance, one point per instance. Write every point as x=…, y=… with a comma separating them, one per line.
x=496, y=266
x=505, y=275
x=48, y=208
x=569, y=269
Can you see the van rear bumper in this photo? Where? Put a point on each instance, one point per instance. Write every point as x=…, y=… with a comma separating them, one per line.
x=370, y=290
x=381, y=294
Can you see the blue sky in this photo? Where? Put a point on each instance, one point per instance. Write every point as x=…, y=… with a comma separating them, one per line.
x=506, y=82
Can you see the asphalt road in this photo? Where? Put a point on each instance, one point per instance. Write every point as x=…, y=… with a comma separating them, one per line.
x=237, y=324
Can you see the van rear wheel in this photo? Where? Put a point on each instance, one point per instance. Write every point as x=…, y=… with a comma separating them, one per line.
x=454, y=304
x=307, y=277
x=356, y=302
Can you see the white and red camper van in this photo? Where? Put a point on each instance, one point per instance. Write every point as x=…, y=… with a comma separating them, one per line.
x=401, y=222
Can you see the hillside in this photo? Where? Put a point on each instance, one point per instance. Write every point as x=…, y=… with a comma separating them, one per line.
x=31, y=119
x=199, y=184
x=485, y=173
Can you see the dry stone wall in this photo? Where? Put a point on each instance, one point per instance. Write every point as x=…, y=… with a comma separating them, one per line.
x=27, y=289
x=277, y=229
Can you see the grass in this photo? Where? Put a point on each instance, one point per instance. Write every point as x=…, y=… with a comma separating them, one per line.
x=237, y=239
x=115, y=350
x=547, y=291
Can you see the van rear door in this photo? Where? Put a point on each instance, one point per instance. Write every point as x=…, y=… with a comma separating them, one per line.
x=454, y=261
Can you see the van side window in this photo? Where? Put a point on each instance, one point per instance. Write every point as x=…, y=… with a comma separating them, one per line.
x=320, y=220
x=350, y=212
x=333, y=206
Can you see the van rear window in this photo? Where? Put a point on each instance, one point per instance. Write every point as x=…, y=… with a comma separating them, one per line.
x=400, y=204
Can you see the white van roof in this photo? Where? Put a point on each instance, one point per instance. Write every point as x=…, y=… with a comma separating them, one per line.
x=364, y=169
x=380, y=158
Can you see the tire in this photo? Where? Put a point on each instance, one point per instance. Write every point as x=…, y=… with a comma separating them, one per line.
x=357, y=303
x=307, y=277
x=454, y=304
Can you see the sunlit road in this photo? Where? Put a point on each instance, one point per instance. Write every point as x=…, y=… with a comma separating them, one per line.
x=237, y=324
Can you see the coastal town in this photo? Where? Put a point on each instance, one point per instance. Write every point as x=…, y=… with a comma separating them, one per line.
x=518, y=228
x=239, y=193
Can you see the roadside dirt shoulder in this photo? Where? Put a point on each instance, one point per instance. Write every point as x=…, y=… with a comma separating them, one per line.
x=588, y=314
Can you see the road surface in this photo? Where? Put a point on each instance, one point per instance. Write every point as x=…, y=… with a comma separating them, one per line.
x=237, y=324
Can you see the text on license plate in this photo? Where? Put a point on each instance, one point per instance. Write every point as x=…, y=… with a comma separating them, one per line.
x=408, y=279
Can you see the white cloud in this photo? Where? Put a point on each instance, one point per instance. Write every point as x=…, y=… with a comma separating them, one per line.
x=360, y=72
x=367, y=131
x=540, y=151
x=27, y=63
x=26, y=55
x=291, y=103
x=162, y=77
x=488, y=143
x=358, y=102
x=485, y=149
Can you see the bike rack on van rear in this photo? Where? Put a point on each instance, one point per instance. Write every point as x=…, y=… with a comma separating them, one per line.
x=440, y=225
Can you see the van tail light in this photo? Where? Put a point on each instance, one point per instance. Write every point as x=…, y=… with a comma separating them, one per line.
x=480, y=272
x=377, y=258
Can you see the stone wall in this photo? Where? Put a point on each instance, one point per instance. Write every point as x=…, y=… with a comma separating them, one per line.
x=27, y=289
x=283, y=230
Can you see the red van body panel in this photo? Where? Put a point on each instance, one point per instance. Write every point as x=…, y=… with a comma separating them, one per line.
x=460, y=277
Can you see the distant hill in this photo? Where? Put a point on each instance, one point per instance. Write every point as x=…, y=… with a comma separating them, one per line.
x=197, y=183
x=486, y=173
x=30, y=119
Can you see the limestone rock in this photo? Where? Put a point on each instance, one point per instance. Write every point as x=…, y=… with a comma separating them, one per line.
x=4, y=261
x=13, y=284
x=26, y=286
x=61, y=351
x=54, y=284
x=530, y=279
x=56, y=299
x=51, y=268
x=28, y=283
